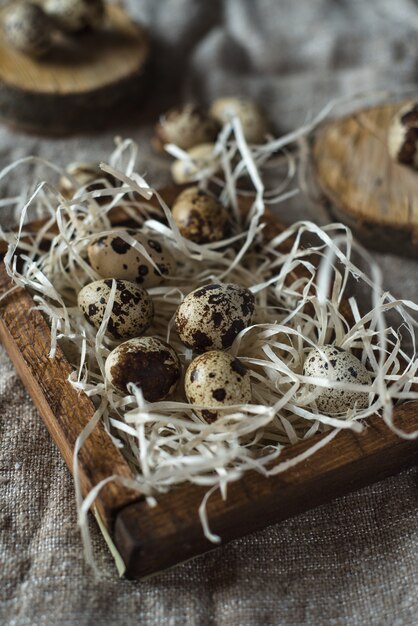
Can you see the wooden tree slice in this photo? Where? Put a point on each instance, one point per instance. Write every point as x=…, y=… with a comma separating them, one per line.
x=363, y=186
x=84, y=79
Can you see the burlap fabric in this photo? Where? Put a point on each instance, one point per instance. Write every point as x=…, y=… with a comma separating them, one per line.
x=350, y=562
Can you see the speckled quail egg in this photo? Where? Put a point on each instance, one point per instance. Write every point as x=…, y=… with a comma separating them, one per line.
x=149, y=363
x=216, y=380
x=200, y=217
x=185, y=127
x=340, y=366
x=132, y=310
x=84, y=174
x=27, y=28
x=110, y=255
x=210, y=317
x=254, y=123
x=403, y=136
x=201, y=157
x=75, y=15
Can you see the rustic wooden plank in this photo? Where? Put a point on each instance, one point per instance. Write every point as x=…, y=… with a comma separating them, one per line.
x=151, y=539
x=27, y=338
x=83, y=81
x=362, y=185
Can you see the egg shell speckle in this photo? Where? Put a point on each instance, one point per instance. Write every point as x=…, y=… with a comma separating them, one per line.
x=253, y=121
x=111, y=255
x=149, y=363
x=340, y=366
x=132, y=310
x=27, y=28
x=403, y=136
x=200, y=217
x=85, y=174
x=216, y=380
x=75, y=15
x=186, y=127
x=202, y=157
x=210, y=317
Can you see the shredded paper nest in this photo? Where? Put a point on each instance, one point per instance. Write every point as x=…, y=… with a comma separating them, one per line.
x=300, y=280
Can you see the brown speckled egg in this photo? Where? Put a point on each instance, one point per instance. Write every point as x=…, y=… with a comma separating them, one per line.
x=149, y=363
x=216, y=380
x=185, y=127
x=84, y=174
x=112, y=256
x=75, y=15
x=403, y=136
x=27, y=28
x=254, y=123
x=210, y=317
x=200, y=217
x=202, y=157
x=132, y=310
x=341, y=366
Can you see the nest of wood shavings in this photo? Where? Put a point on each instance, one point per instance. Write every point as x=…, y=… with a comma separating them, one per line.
x=297, y=308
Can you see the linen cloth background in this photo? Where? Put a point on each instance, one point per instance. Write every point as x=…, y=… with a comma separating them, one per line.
x=350, y=562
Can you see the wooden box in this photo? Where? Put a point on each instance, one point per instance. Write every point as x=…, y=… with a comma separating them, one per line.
x=150, y=539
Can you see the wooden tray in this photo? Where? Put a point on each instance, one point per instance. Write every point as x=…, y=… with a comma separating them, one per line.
x=152, y=539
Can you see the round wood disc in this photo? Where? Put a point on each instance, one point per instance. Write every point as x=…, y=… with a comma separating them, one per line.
x=80, y=82
x=363, y=186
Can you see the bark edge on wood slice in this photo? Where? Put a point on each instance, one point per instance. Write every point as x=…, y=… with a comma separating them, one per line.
x=87, y=81
x=362, y=186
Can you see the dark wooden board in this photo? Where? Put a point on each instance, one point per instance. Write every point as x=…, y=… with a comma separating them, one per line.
x=362, y=185
x=152, y=539
x=85, y=81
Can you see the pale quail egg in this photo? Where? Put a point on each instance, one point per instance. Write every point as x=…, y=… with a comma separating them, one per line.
x=75, y=15
x=186, y=127
x=27, y=28
x=216, y=380
x=201, y=157
x=88, y=175
x=339, y=366
x=110, y=255
x=132, y=310
x=210, y=317
x=149, y=363
x=403, y=136
x=200, y=217
x=253, y=121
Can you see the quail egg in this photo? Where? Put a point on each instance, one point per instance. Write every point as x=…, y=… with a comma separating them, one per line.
x=149, y=363
x=403, y=136
x=132, y=310
x=27, y=28
x=75, y=15
x=210, y=317
x=88, y=175
x=200, y=217
x=340, y=366
x=110, y=255
x=216, y=380
x=185, y=127
x=253, y=121
x=201, y=157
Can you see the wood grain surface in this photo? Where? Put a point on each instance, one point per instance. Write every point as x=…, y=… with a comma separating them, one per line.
x=152, y=539
x=82, y=79
x=362, y=185
x=27, y=338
